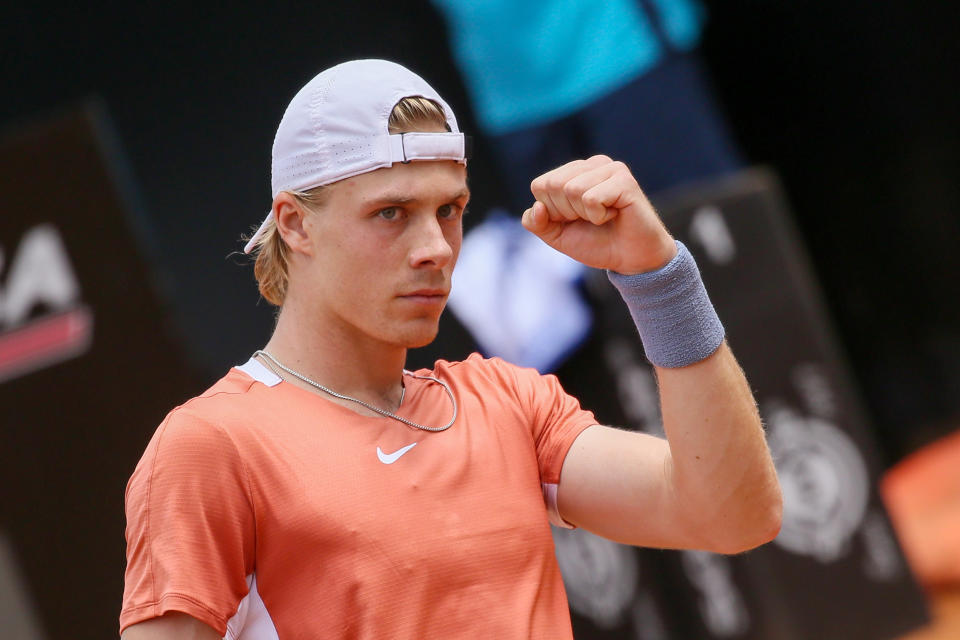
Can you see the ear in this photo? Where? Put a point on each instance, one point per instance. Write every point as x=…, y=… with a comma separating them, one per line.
x=290, y=217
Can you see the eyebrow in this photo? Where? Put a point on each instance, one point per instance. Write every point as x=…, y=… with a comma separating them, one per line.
x=404, y=198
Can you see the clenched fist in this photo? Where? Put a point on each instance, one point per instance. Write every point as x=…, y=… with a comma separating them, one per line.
x=594, y=211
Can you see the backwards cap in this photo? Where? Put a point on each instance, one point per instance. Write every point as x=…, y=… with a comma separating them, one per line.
x=336, y=127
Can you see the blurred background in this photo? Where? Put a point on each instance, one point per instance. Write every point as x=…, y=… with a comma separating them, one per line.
x=135, y=146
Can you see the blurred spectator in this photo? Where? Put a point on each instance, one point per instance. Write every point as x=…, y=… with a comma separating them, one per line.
x=922, y=493
x=562, y=79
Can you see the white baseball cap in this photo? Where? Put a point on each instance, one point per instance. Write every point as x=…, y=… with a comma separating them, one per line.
x=336, y=127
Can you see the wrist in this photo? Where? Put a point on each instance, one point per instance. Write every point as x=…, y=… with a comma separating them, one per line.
x=651, y=259
x=673, y=314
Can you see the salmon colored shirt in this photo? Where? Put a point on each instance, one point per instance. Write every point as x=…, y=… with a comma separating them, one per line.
x=268, y=511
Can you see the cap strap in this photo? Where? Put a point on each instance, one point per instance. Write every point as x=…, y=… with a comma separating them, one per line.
x=417, y=145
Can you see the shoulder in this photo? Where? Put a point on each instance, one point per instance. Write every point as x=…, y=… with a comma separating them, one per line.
x=236, y=399
x=476, y=366
x=238, y=385
x=486, y=375
x=205, y=427
x=193, y=452
x=186, y=444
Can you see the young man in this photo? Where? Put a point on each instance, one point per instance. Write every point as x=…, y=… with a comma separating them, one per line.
x=320, y=490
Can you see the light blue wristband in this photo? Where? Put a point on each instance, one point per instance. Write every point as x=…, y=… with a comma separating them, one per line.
x=670, y=306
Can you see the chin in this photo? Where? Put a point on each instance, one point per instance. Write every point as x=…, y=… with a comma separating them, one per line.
x=418, y=336
x=421, y=341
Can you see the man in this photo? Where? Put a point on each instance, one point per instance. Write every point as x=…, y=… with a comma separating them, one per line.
x=320, y=490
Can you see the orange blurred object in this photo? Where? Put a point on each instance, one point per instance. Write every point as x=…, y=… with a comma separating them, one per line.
x=946, y=617
x=922, y=494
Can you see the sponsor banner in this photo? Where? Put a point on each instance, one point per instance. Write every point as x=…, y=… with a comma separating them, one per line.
x=835, y=570
x=41, y=277
x=88, y=368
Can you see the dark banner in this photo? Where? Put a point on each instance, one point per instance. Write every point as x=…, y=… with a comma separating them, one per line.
x=88, y=368
x=835, y=571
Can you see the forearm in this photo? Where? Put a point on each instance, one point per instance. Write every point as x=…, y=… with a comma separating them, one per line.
x=719, y=470
x=719, y=465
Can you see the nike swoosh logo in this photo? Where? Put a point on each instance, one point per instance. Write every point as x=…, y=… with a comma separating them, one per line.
x=390, y=458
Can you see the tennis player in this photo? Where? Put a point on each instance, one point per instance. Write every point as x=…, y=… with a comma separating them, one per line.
x=321, y=490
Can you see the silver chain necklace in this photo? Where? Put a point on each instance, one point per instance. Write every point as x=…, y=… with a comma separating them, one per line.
x=382, y=412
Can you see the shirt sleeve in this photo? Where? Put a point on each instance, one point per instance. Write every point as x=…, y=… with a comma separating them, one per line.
x=556, y=419
x=190, y=526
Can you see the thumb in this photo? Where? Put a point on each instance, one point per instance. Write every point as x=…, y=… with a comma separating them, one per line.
x=535, y=219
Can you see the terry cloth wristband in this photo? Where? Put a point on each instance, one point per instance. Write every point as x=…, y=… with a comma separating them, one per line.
x=670, y=306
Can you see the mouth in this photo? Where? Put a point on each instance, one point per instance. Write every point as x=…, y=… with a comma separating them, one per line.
x=426, y=296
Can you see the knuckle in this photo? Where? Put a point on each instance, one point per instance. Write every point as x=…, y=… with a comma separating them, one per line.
x=553, y=184
x=572, y=190
x=591, y=198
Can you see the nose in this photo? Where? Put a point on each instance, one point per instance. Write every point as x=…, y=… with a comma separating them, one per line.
x=430, y=247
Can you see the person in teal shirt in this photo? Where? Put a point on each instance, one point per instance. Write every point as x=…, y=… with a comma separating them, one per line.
x=555, y=80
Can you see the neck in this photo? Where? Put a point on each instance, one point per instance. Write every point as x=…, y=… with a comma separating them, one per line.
x=338, y=358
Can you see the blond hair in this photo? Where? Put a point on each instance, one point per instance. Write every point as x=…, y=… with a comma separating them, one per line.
x=270, y=267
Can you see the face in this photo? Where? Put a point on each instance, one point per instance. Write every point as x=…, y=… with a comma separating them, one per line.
x=384, y=247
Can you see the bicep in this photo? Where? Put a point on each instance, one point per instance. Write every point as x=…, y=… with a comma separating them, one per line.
x=172, y=626
x=616, y=484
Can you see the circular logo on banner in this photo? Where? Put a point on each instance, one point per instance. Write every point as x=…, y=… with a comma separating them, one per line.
x=824, y=482
x=600, y=576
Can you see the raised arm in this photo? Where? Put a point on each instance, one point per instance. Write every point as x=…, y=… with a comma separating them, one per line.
x=711, y=484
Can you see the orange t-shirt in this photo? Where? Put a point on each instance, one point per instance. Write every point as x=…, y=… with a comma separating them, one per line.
x=268, y=511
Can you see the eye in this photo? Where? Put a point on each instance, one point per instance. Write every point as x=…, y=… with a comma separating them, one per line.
x=449, y=211
x=390, y=213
